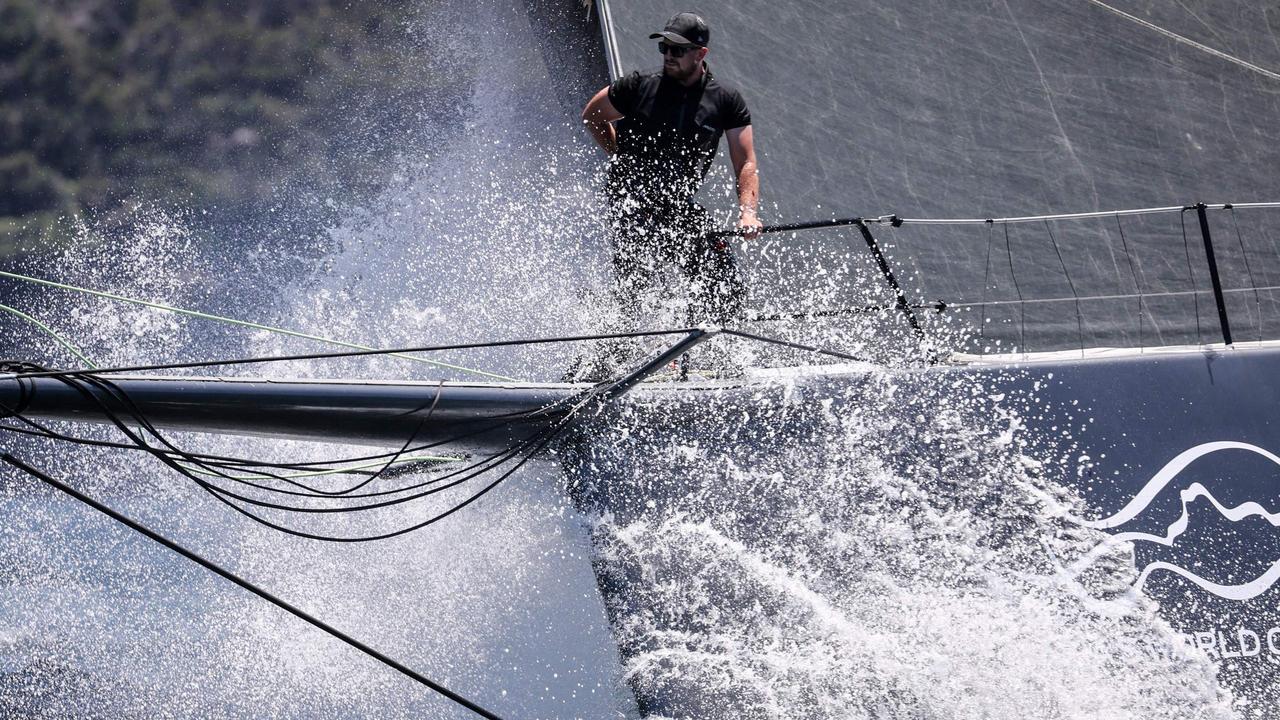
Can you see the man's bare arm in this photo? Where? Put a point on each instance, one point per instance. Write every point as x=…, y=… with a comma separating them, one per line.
x=598, y=116
x=743, y=154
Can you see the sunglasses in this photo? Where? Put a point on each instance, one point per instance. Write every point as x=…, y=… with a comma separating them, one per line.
x=674, y=51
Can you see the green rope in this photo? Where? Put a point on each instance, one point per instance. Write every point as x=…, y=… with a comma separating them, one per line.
x=338, y=471
x=245, y=323
x=49, y=331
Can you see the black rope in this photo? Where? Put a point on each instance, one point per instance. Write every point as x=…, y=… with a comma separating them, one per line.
x=138, y=417
x=20, y=367
x=234, y=463
x=121, y=411
x=503, y=419
x=1257, y=298
x=104, y=394
x=136, y=413
x=1071, y=285
x=345, y=492
x=171, y=454
x=348, y=354
x=1124, y=243
x=1022, y=307
x=174, y=455
x=213, y=567
x=227, y=463
x=986, y=280
x=396, y=533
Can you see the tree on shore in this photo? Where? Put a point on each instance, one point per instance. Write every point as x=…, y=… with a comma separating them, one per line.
x=213, y=103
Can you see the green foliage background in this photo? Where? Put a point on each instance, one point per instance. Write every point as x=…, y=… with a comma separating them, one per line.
x=215, y=104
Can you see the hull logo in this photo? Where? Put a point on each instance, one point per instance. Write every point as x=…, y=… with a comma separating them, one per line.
x=1195, y=491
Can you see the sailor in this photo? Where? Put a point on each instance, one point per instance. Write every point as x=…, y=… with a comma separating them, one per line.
x=661, y=130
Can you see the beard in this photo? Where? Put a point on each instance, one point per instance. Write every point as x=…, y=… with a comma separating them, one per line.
x=678, y=72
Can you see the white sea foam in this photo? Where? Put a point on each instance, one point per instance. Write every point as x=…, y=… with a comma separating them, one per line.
x=878, y=555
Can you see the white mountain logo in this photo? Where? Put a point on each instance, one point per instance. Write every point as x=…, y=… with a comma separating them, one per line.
x=1162, y=479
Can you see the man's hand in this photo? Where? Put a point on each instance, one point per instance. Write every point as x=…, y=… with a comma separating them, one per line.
x=749, y=225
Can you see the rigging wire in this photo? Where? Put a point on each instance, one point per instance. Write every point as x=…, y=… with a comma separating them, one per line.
x=50, y=332
x=365, y=352
x=1244, y=252
x=1061, y=263
x=241, y=582
x=1013, y=274
x=242, y=323
x=1124, y=243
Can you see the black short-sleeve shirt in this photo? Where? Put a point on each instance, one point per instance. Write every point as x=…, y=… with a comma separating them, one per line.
x=669, y=133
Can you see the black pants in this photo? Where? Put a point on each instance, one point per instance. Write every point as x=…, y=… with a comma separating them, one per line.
x=647, y=238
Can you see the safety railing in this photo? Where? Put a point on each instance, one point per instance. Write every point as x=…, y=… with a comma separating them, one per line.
x=1119, y=256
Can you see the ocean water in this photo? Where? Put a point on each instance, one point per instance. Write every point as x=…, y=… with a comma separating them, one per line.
x=885, y=545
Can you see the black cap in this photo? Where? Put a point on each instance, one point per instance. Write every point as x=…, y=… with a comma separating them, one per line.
x=685, y=29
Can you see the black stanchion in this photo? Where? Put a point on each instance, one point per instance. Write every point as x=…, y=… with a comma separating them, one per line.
x=1214, y=277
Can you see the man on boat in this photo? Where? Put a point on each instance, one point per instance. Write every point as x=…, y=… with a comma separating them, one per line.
x=661, y=130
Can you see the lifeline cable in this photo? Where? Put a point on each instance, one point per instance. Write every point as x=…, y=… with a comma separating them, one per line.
x=895, y=221
x=283, y=605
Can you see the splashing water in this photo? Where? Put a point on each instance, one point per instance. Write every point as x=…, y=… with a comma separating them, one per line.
x=469, y=243
x=877, y=546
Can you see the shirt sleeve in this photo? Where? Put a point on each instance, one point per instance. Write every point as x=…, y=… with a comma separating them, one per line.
x=624, y=91
x=735, y=113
